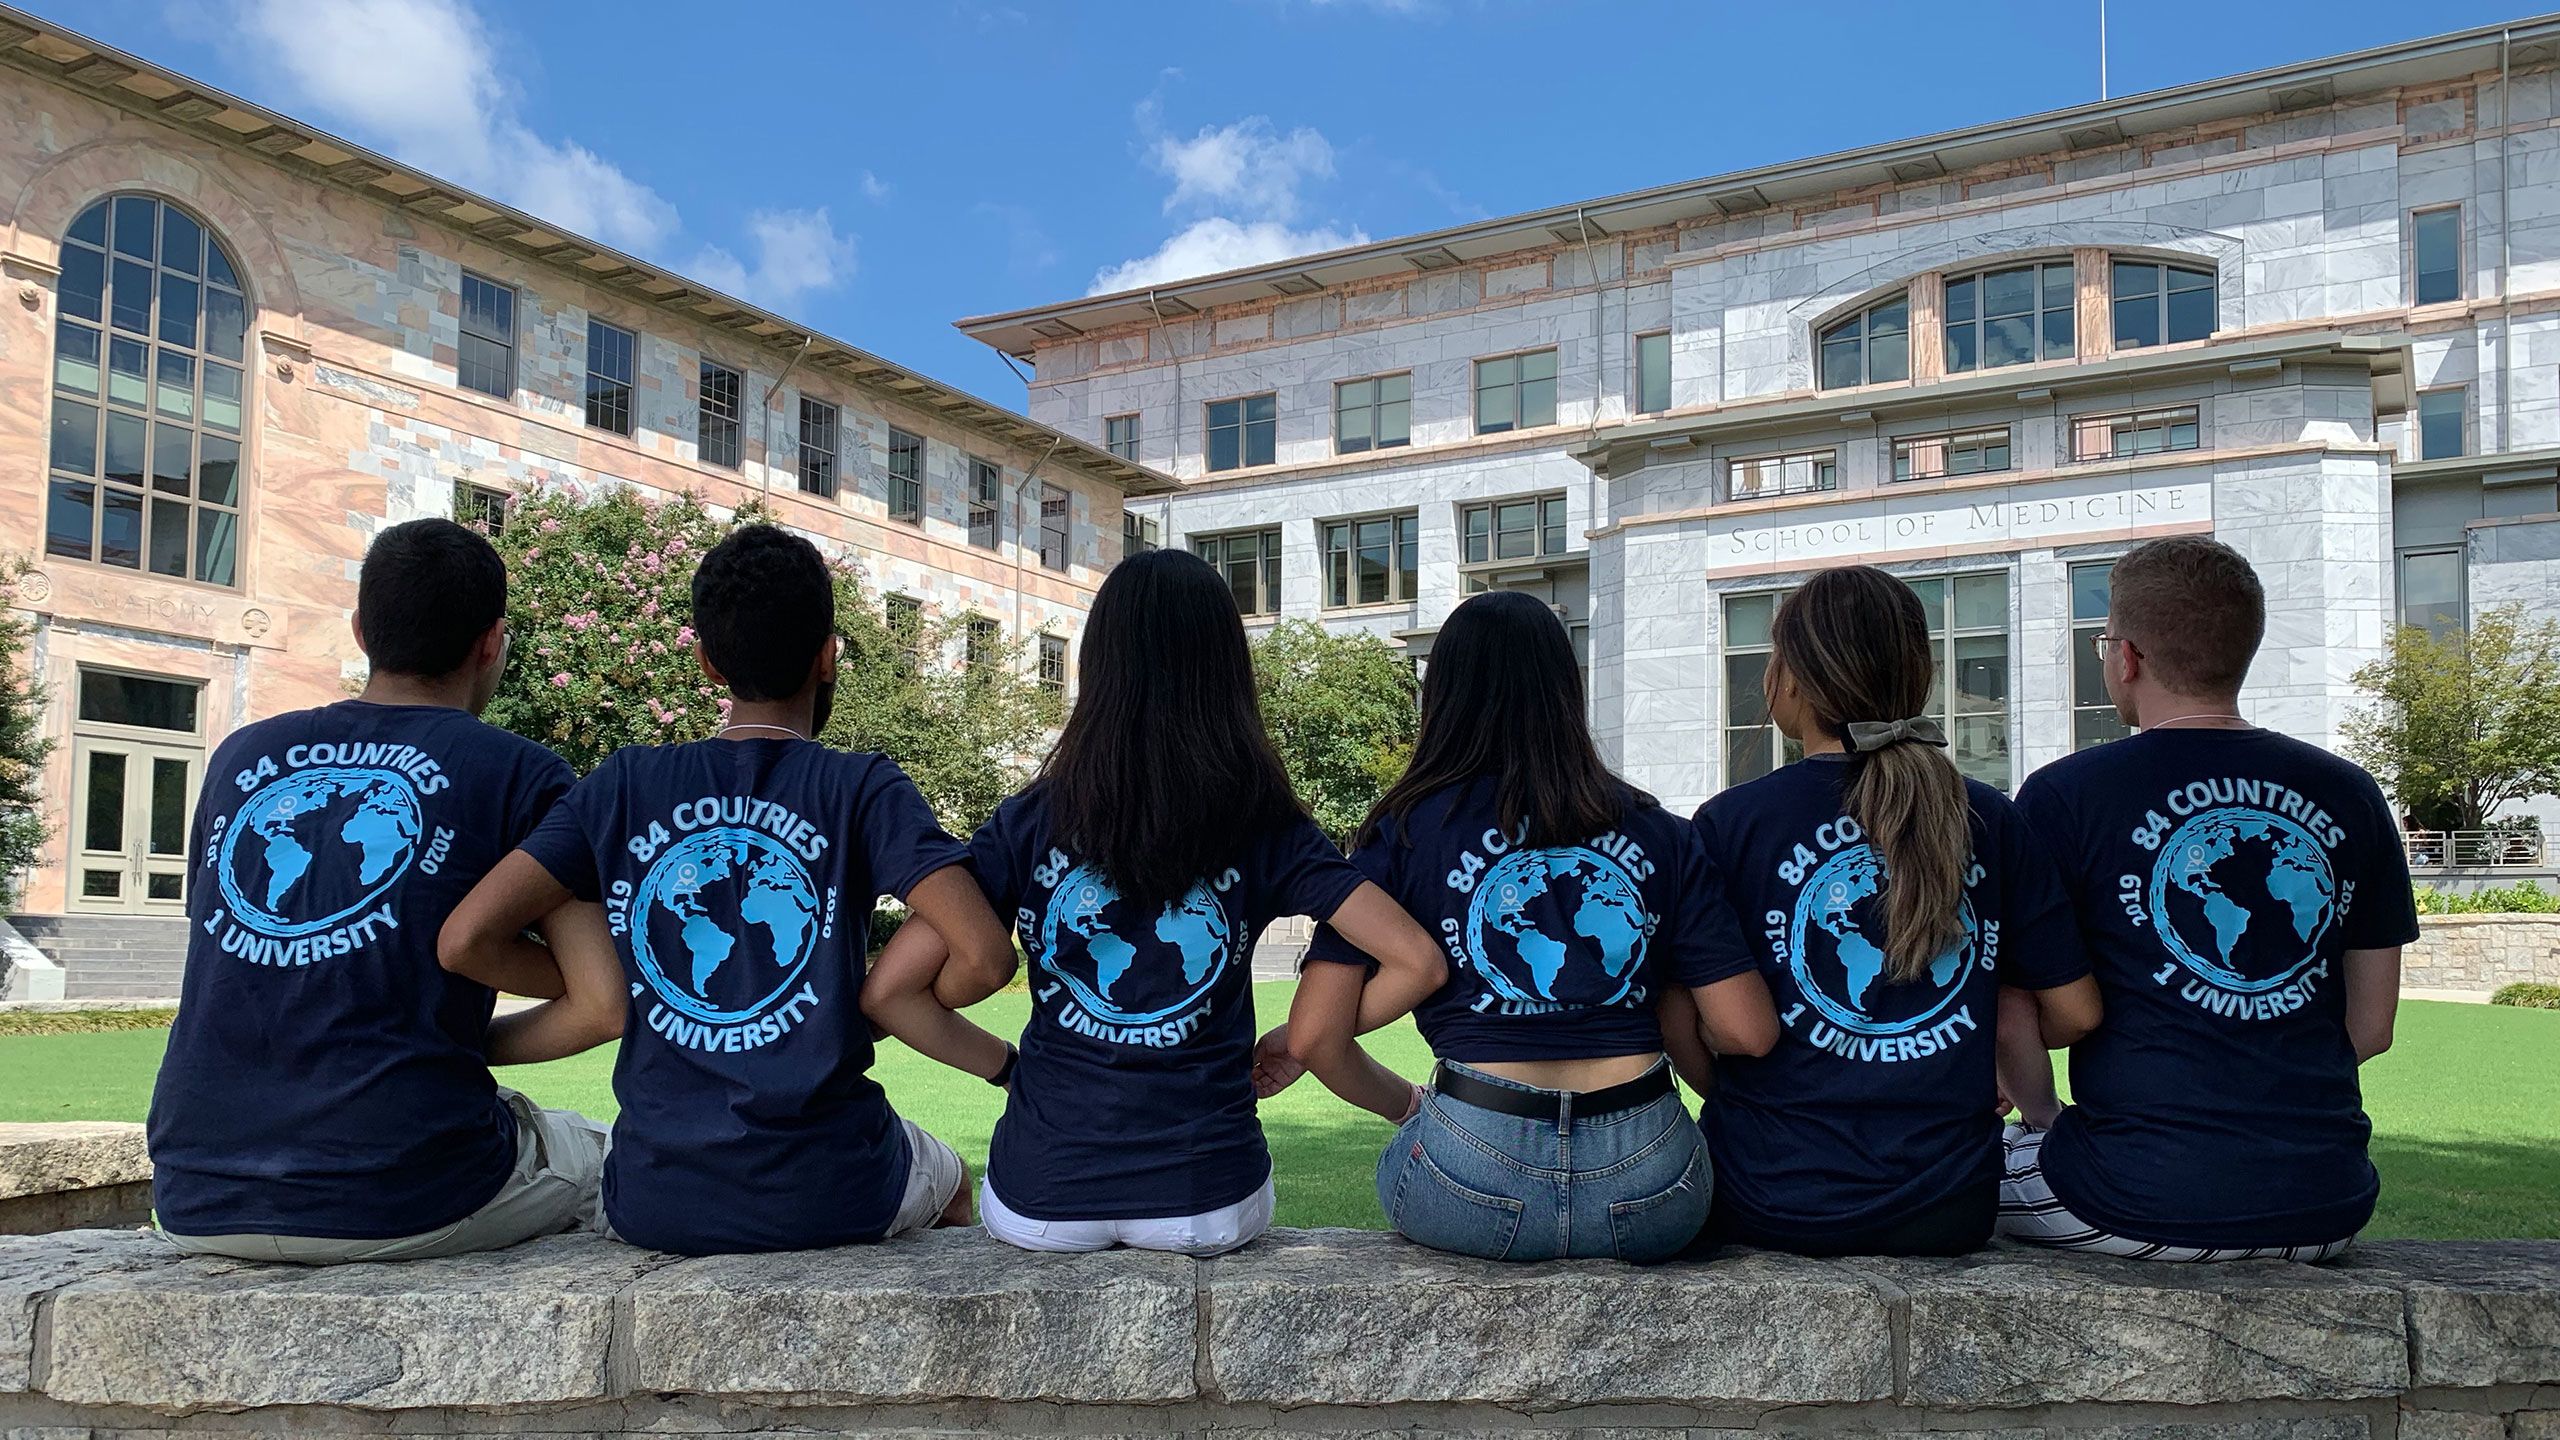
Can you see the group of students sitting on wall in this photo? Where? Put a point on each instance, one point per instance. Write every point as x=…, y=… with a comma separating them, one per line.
x=1859, y=961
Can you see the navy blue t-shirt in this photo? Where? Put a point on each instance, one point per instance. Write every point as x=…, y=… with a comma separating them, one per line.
x=325, y=1077
x=1876, y=1103
x=1134, y=1099
x=739, y=878
x=2220, y=877
x=1554, y=954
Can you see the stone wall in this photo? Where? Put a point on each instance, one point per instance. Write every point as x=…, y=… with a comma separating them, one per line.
x=107, y=1334
x=67, y=1176
x=2482, y=952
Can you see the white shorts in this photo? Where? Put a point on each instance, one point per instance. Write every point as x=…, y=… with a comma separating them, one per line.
x=934, y=1173
x=2030, y=1211
x=1214, y=1232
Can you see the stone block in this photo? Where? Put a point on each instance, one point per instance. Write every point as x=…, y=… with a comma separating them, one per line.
x=33, y=1267
x=945, y=1316
x=2016, y=1328
x=78, y=1155
x=2481, y=1312
x=2452, y=1425
x=526, y=1326
x=1356, y=1318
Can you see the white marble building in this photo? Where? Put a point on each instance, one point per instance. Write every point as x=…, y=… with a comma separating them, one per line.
x=2288, y=309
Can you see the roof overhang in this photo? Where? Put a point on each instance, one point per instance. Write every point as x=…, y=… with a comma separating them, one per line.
x=58, y=56
x=2512, y=467
x=1623, y=449
x=2534, y=41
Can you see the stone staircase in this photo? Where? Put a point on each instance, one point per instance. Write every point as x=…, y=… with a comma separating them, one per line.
x=111, y=956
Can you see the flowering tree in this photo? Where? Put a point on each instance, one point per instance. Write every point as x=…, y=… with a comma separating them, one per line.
x=23, y=747
x=600, y=603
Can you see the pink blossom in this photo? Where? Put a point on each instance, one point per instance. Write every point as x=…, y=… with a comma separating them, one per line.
x=560, y=680
x=684, y=634
x=549, y=525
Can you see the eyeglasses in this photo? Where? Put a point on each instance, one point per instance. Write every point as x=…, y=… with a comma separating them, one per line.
x=2100, y=641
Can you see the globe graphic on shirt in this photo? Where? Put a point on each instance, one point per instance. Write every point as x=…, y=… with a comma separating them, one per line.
x=1124, y=966
x=1837, y=955
x=723, y=923
x=317, y=846
x=1562, y=926
x=2243, y=897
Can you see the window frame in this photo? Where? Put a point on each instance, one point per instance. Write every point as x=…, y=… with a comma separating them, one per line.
x=2164, y=271
x=2093, y=722
x=1516, y=387
x=1863, y=322
x=1979, y=322
x=1052, y=672
x=1375, y=408
x=2418, y=217
x=1243, y=427
x=1341, y=564
x=902, y=615
x=2460, y=554
x=986, y=504
x=2114, y=422
x=1644, y=396
x=1549, y=521
x=472, y=504
x=1139, y=533
x=609, y=396
x=817, y=466
x=506, y=343
x=1056, y=503
x=1823, y=464
x=1267, y=563
x=1123, y=446
x=982, y=641
x=2461, y=420
x=903, y=490
x=1906, y=465
x=708, y=420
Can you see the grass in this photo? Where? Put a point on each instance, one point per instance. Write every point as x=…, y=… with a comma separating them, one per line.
x=2466, y=1111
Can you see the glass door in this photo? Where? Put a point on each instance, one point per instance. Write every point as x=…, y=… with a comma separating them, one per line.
x=130, y=805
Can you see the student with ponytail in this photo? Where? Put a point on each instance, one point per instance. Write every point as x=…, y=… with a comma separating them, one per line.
x=1894, y=900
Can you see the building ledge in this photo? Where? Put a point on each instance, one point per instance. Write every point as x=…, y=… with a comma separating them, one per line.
x=2511, y=467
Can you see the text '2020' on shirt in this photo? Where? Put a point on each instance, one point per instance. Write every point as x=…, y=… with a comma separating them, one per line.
x=1876, y=1103
x=325, y=1077
x=2221, y=877
x=739, y=878
x=1556, y=953
x=1134, y=1099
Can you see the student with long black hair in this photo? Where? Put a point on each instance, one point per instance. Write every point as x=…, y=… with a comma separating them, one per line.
x=1895, y=898
x=1568, y=902
x=1139, y=867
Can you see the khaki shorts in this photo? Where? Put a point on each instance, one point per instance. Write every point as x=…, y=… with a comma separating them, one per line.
x=934, y=1174
x=553, y=1188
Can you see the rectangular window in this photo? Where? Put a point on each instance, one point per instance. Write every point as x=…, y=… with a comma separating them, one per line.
x=1370, y=561
x=1120, y=436
x=2093, y=716
x=2140, y=432
x=1243, y=432
x=2435, y=254
x=719, y=412
x=986, y=504
x=817, y=447
x=1752, y=746
x=1653, y=373
x=479, y=508
x=1139, y=534
x=1053, y=664
x=2161, y=304
x=1529, y=528
x=486, y=357
x=1053, y=527
x=2440, y=415
x=2432, y=591
x=1516, y=392
x=986, y=641
x=906, y=623
x=1783, y=475
x=110, y=697
x=1372, y=414
x=2010, y=317
x=1250, y=560
x=906, y=477
x=609, y=351
x=1966, y=452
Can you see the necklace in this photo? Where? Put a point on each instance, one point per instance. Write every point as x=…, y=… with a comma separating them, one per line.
x=2201, y=715
x=725, y=730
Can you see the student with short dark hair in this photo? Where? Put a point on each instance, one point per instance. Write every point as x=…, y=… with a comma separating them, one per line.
x=1898, y=903
x=326, y=1094
x=1141, y=864
x=2244, y=898
x=1569, y=903
x=739, y=874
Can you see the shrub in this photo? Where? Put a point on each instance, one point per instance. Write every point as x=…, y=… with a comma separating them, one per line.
x=1343, y=713
x=2522, y=898
x=82, y=1022
x=2529, y=994
x=23, y=747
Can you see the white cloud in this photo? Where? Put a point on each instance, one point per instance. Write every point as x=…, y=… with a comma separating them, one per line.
x=1244, y=186
x=797, y=252
x=874, y=189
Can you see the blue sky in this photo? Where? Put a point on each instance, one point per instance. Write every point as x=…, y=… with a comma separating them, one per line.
x=879, y=169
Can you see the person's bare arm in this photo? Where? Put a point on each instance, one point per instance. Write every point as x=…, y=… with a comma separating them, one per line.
x=1321, y=1019
x=2065, y=1014
x=1410, y=965
x=900, y=996
x=978, y=956
x=483, y=939
x=2025, y=1070
x=2373, y=999
x=593, y=1003
x=1684, y=1039
x=1736, y=1015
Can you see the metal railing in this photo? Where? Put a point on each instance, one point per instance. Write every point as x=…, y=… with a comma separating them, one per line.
x=2475, y=850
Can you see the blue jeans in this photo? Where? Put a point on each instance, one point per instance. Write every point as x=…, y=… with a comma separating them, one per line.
x=1630, y=1186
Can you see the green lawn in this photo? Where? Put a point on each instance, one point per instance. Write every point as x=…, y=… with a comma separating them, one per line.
x=2466, y=1111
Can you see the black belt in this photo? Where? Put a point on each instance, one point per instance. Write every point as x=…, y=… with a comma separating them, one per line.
x=1549, y=1105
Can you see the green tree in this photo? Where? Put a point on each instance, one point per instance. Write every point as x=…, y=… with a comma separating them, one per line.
x=600, y=606
x=2463, y=725
x=1342, y=710
x=23, y=748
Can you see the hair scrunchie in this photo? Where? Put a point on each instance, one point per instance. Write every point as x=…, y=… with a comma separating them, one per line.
x=1865, y=735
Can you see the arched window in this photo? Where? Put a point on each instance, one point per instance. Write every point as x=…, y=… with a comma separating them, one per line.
x=1871, y=347
x=148, y=388
x=2161, y=304
x=2012, y=316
